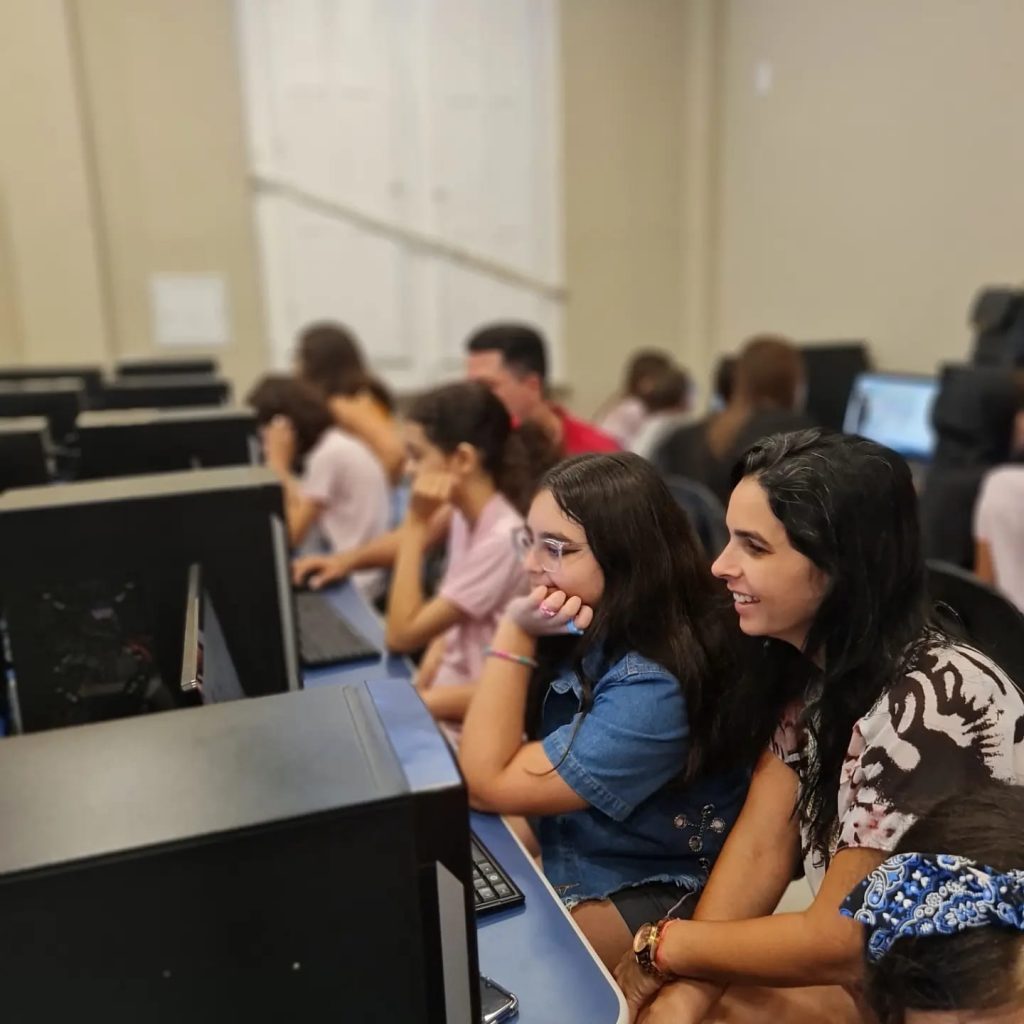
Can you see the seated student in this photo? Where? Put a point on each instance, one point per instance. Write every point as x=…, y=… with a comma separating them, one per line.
x=626, y=416
x=943, y=919
x=620, y=650
x=999, y=522
x=328, y=357
x=464, y=457
x=767, y=398
x=872, y=713
x=667, y=396
x=540, y=429
x=342, y=488
x=510, y=359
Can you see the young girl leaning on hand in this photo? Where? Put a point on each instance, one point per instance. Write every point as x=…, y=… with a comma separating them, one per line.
x=624, y=646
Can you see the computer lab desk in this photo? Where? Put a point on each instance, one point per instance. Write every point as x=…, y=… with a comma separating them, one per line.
x=535, y=951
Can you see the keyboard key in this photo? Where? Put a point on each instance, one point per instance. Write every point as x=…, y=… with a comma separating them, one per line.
x=486, y=893
x=502, y=889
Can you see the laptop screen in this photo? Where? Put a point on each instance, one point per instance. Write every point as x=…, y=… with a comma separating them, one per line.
x=894, y=410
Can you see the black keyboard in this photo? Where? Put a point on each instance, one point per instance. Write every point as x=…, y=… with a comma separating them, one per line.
x=325, y=638
x=492, y=888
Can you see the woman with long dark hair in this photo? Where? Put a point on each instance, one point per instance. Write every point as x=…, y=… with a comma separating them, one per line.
x=614, y=663
x=872, y=715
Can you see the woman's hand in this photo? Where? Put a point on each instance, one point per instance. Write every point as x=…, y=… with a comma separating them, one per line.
x=431, y=491
x=679, y=1002
x=280, y=444
x=315, y=571
x=637, y=985
x=546, y=612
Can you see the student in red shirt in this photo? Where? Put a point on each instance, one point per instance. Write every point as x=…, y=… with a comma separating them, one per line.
x=511, y=360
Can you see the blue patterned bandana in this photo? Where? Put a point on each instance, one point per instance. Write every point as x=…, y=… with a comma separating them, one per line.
x=933, y=894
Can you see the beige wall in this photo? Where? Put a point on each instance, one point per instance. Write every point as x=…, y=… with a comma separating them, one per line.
x=122, y=156
x=880, y=181
x=51, y=307
x=622, y=103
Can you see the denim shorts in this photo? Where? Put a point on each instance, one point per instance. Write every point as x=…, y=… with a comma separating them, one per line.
x=640, y=904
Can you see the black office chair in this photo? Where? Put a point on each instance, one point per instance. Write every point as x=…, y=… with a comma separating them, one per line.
x=985, y=618
x=705, y=512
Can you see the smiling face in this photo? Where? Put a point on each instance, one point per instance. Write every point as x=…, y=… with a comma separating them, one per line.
x=776, y=590
x=560, y=557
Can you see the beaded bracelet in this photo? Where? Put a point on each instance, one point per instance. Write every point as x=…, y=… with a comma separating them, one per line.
x=518, y=659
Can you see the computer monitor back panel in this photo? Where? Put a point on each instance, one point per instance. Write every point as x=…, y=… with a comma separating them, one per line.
x=24, y=452
x=144, y=367
x=894, y=410
x=830, y=371
x=58, y=400
x=165, y=392
x=126, y=545
x=133, y=442
x=90, y=375
x=232, y=863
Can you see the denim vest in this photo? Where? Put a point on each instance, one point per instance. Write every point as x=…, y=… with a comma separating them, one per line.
x=623, y=759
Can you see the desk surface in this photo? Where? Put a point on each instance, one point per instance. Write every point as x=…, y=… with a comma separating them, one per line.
x=535, y=950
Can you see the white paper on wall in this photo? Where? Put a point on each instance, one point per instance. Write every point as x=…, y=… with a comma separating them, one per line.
x=189, y=309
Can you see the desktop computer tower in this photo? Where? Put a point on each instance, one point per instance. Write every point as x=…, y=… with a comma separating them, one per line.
x=94, y=584
x=303, y=857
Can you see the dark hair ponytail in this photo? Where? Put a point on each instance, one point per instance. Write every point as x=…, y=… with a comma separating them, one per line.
x=467, y=413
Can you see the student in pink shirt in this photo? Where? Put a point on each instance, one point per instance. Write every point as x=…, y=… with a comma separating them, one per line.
x=331, y=480
x=468, y=462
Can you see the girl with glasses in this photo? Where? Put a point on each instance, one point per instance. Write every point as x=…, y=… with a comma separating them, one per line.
x=612, y=665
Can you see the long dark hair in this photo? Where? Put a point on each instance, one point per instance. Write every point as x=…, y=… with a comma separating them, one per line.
x=659, y=598
x=849, y=505
x=280, y=395
x=467, y=413
x=978, y=969
x=331, y=360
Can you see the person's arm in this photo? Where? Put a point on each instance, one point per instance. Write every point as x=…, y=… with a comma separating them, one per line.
x=360, y=415
x=412, y=620
x=426, y=671
x=752, y=872
x=449, y=703
x=301, y=511
x=504, y=775
x=379, y=553
x=984, y=567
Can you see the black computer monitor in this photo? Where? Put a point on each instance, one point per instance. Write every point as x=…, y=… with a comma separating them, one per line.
x=24, y=452
x=894, y=410
x=300, y=857
x=165, y=392
x=94, y=577
x=91, y=375
x=830, y=369
x=135, y=441
x=145, y=367
x=59, y=399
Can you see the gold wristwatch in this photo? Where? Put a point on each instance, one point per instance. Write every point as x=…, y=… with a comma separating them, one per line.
x=645, y=948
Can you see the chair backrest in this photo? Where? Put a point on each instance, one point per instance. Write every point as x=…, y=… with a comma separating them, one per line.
x=989, y=621
x=705, y=511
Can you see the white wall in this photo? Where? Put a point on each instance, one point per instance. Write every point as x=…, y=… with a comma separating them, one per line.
x=406, y=163
x=878, y=181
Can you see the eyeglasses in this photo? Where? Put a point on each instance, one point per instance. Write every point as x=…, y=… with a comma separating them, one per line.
x=550, y=551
